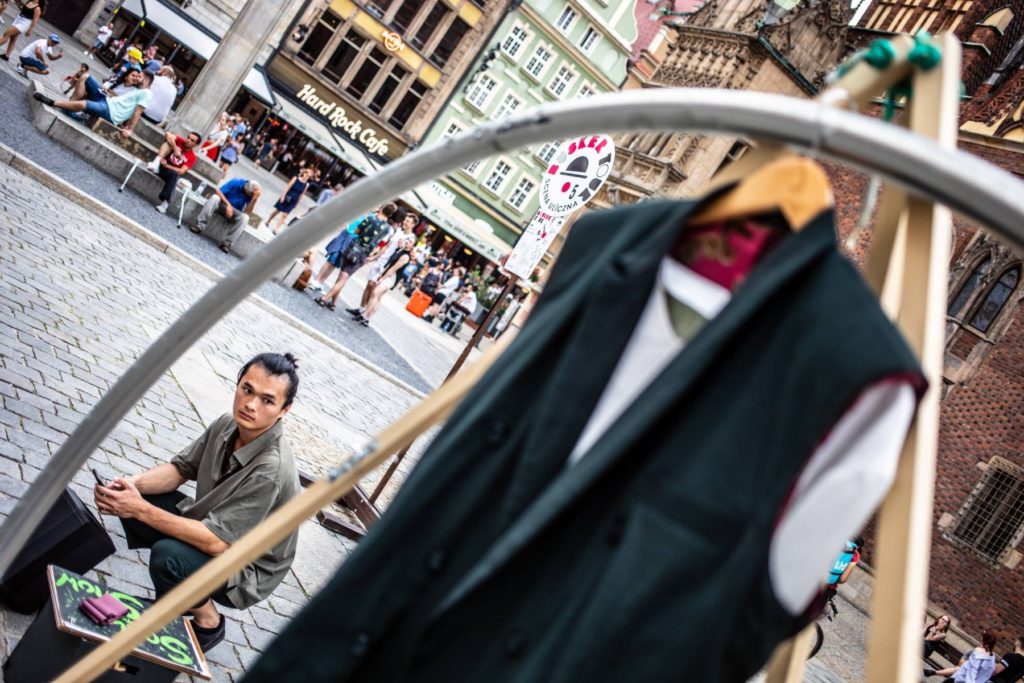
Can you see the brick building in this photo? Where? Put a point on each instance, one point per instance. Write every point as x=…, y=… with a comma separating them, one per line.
x=976, y=573
x=979, y=506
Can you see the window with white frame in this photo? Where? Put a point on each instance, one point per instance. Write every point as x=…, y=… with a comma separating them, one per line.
x=991, y=520
x=589, y=40
x=508, y=106
x=482, y=92
x=586, y=90
x=538, y=61
x=499, y=174
x=453, y=129
x=566, y=19
x=547, y=152
x=472, y=168
x=561, y=81
x=521, y=194
x=514, y=41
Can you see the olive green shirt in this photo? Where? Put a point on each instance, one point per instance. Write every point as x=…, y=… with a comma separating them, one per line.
x=260, y=477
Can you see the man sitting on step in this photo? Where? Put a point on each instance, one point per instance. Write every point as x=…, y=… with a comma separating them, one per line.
x=174, y=160
x=244, y=470
x=233, y=200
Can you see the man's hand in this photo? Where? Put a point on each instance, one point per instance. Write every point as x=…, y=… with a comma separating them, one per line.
x=120, y=499
x=126, y=132
x=229, y=210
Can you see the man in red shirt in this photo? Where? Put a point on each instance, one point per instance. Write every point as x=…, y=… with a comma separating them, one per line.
x=173, y=161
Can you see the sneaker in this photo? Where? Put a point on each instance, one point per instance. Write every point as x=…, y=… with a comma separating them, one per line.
x=197, y=228
x=154, y=166
x=357, y=311
x=40, y=97
x=20, y=69
x=162, y=207
x=315, y=288
x=929, y=673
x=225, y=247
x=208, y=638
x=363, y=321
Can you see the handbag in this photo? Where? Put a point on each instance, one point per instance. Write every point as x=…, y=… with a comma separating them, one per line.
x=103, y=610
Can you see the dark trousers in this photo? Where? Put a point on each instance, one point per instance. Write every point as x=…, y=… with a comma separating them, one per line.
x=170, y=561
x=170, y=179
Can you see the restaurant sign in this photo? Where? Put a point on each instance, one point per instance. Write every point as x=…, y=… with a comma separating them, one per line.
x=337, y=117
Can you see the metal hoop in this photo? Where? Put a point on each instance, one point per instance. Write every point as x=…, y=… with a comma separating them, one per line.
x=965, y=183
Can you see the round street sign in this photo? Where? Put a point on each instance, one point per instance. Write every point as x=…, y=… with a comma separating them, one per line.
x=576, y=173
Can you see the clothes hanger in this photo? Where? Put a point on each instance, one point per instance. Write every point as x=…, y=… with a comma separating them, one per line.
x=793, y=186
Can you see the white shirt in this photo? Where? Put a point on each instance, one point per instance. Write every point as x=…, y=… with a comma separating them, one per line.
x=164, y=92
x=841, y=485
x=30, y=50
x=103, y=34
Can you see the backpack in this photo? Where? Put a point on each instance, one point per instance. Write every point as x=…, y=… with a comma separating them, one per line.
x=369, y=232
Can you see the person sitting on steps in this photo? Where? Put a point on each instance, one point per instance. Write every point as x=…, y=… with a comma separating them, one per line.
x=233, y=200
x=244, y=470
x=175, y=158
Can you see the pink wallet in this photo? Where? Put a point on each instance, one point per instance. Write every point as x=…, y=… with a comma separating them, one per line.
x=103, y=610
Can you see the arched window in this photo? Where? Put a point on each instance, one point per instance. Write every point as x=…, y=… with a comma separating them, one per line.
x=986, y=314
x=971, y=284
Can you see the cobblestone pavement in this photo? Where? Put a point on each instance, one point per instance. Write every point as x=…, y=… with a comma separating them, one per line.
x=396, y=342
x=79, y=301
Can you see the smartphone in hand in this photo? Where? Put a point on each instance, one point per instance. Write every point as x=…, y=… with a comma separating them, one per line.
x=99, y=479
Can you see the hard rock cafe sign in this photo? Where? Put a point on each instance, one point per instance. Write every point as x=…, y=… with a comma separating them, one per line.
x=392, y=41
x=339, y=118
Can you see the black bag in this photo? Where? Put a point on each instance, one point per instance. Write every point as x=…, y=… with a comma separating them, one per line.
x=69, y=536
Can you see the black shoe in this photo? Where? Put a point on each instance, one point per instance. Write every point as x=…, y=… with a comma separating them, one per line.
x=354, y=311
x=209, y=637
x=48, y=101
x=364, y=322
x=929, y=672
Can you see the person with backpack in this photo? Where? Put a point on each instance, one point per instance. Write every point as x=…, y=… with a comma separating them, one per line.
x=365, y=241
x=338, y=247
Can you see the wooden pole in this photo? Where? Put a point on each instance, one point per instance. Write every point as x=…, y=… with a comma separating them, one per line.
x=789, y=659
x=905, y=522
x=280, y=524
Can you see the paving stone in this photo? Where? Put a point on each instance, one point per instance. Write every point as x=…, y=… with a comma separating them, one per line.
x=23, y=409
x=257, y=637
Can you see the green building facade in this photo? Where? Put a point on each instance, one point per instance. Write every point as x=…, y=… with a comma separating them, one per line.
x=546, y=50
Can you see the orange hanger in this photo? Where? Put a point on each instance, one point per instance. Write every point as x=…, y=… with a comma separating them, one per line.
x=793, y=186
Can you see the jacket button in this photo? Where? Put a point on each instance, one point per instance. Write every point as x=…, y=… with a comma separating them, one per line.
x=616, y=529
x=515, y=643
x=360, y=645
x=436, y=560
x=497, y=432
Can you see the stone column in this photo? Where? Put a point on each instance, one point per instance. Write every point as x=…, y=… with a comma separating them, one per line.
x=86, y=32
x=222, y=76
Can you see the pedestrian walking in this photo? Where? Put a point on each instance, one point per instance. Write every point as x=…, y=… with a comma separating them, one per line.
x=229, y=153
x=233, y=200
x=293, y=192
x=23, y=25
x=338, y=247
x=175, y=158
x=367, y=236
x=406, y=222
x=398, y=260
x=102, y=36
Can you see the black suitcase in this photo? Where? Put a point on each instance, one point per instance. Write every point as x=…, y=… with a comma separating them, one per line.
x=69, y=536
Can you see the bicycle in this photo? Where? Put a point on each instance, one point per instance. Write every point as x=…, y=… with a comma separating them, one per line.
x=819, y=632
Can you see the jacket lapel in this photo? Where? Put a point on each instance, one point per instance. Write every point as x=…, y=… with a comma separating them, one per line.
x=779, y=267
x=613, y=303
